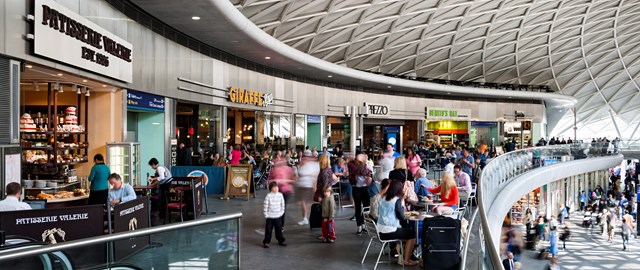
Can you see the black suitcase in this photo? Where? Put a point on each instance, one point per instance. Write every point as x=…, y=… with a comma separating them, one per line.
x=441, y=243
x=315, y=217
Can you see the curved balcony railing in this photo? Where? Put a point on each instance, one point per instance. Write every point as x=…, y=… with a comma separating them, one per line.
x=504, y=169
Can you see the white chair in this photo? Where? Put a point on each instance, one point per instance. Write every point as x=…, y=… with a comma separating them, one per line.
x=372, y=232
x=337, y=195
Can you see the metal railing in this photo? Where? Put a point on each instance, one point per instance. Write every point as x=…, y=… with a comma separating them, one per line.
x=104, y=239
x=502, y=170
x=465, y=244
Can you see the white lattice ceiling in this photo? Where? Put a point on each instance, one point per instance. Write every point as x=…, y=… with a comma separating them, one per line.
x=587, y=49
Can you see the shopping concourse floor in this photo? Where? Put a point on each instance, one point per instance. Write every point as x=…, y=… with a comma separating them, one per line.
x=303, y=250
x=588, y=249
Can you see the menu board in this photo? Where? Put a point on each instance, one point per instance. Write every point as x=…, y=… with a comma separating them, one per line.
x=130, y=216
x=238, y=180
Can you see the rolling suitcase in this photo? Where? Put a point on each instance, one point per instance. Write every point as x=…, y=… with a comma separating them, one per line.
x=441, y=243
x=315, y=217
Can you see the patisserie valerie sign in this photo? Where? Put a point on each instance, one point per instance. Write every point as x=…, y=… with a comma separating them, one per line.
x=65, y=36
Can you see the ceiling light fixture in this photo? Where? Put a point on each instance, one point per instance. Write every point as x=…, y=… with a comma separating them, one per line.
x=448, y=93
x=36, y=86
x=84, y=80
x=267, y=57
x=59, y=74
x=104, y=85
x=56, y=86
x=61, y=89
x=87, y=94
x=388, y=86
x=28, y=66
x=195, y=18
x=77, y=89
x=329, y=76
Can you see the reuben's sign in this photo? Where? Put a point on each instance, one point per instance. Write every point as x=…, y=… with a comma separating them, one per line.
x=379, y=110
x=62, y=35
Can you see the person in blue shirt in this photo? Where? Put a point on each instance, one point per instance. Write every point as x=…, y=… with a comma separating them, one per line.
x=98, y=177
x=422, y=183
x=583, y=200
x=466, y=162
x=121, y=192
x=390, y=149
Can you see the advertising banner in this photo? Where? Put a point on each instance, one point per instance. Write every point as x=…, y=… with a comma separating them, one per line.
x=130, y=216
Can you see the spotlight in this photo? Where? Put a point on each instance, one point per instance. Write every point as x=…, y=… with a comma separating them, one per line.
x=61, y=89
x=36, y=86
x=87, y=94
x=77, y=89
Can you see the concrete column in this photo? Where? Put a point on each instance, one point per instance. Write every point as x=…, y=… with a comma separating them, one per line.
x=352, y=137
x=292, y=138
x=222, y=131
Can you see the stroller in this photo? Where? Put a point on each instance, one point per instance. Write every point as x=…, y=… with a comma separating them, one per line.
x=260, y=177
x=588, y=219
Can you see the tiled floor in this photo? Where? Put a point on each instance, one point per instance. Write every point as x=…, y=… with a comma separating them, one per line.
x=587, y=249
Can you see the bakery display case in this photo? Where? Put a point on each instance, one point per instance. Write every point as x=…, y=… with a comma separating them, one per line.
x=124, y=159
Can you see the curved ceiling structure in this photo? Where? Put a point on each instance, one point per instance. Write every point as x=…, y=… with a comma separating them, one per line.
x=584, y=49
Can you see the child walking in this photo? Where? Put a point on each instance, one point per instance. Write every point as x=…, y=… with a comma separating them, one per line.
x=328, y=212
x=273, y=211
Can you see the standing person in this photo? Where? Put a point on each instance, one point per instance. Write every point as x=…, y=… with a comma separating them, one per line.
x=99, y=176
x=307, y=175
x=528, y=219
x=404, y=175
x=328, y=212
x=541, y=228
x=583, y=200
x=235, y=155
x=566, y=236
x=391, y=150
x=274, y=206
x=450, y=165
x=476, y=173
x=184, y=155
x=509, y=263
x=283, y=175
x=611, y=225
x=413, y=161
x=359, y=178
x=12, y=201
x=162, y=180
x=386, y=164
x=629, y=220
x=326, y=177
x=553, y=239
x=626, y=232
x=466, y=162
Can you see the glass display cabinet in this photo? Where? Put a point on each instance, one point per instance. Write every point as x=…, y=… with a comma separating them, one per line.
x=123, y=158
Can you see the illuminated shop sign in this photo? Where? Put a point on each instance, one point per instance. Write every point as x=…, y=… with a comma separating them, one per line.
x=248, y=97
x=65, y=36
x=380, y=110
x=447, y=113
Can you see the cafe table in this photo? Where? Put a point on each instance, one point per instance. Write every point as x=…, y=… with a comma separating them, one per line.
x=418, y=221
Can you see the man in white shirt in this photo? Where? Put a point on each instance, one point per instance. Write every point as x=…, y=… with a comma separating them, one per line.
x=508, y=263
x=463, y=181
x=12, y=202
x=450, y=165
x=162, y=180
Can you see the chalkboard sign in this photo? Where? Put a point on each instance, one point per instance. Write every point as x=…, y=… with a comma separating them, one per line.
x=238, y=180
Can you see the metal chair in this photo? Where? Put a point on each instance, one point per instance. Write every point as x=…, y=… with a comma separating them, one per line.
x=372, y=232
x=336, y=191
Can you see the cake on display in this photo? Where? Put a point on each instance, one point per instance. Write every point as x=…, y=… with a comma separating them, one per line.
x=71, y=121
x=27, y=124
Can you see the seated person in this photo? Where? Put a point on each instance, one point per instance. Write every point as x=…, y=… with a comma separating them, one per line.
x=12, y=202
x=463, y=181
x=422, y=183
x=121, y=192
x=448, y=195
x=392, y=223
x=375, y=200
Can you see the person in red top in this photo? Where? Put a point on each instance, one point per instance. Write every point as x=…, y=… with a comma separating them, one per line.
x=282, y=174
x=448, y=195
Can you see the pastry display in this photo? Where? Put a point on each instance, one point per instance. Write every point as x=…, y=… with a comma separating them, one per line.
x=45, y=196
x=79, y=192
x=64, y=195
x=27, y=124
